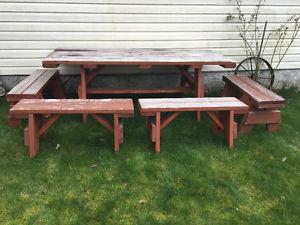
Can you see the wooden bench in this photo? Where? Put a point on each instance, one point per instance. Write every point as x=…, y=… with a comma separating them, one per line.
x=33, y=87
x=264, y=105
x=171, y=107
x=38, y=124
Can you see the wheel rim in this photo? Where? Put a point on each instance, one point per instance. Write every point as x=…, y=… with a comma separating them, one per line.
x=257, y=69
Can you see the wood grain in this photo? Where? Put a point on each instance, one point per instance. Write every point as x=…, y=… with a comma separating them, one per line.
x=261, y=96
x=137, y=56
x=190, y=104
x=73, y=106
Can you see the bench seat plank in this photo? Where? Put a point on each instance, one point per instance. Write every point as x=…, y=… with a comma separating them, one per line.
x=191, y=104
x=73, y=106
x=41, y=81
x=261, y=96
x=32, y=84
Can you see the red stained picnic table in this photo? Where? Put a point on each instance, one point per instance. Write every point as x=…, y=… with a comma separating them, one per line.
x=92, y=61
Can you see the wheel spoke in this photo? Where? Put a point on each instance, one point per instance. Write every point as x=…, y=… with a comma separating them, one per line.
x=262, y=72
x=252, y=71
x=246, y=69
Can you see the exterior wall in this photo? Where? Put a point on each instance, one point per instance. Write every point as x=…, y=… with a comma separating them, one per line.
x=30, y=29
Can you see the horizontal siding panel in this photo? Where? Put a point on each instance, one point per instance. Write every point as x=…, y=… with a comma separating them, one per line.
x=113, y=27
x=140, y=9
x=125, y=44
x=163, y=2
x=122, y=27
x=118, y=36
x=124, y=18
x=17, y=54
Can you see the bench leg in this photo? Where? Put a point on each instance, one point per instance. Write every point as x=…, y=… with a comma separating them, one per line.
x=26, y=136
x=14, y=122
x=228, y=121
x=121, y=131
x=148, y=123
x=198, y=89
x=219, y=128
x=271, y=118
x=216, y=128
x=116, y=128
x=273, y=127
x=244, y=129
x=116, y=133
x=84, y=118
x=157, y=132
x=33, y=135
x=57, y=88
x=151, y=128
x=229, y=91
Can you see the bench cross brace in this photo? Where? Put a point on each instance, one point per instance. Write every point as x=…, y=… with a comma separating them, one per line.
x=224, y=120
x=104, y=122
x=39, y=124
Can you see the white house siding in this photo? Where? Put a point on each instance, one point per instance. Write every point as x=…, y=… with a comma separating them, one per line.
x=30, y=29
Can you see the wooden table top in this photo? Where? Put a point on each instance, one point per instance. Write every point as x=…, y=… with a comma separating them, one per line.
x=139, y=56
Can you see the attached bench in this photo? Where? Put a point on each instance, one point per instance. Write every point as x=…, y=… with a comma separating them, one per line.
x=171, y=107
x=38, y=124
x=34, y=87
x=264, y=105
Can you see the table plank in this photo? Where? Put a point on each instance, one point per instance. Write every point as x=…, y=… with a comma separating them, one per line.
x=137, y=56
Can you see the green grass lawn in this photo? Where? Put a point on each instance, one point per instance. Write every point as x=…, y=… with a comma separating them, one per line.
x=195, y=179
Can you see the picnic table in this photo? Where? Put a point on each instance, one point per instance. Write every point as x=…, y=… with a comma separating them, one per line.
x=92, y=61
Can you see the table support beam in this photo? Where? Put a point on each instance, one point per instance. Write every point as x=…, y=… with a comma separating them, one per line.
x=86, y=78
x=186, y=78
x=199, y=93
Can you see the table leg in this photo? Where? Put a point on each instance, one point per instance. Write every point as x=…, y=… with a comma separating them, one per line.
x=57, y=88
x=198, y=88
x=82, y=90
